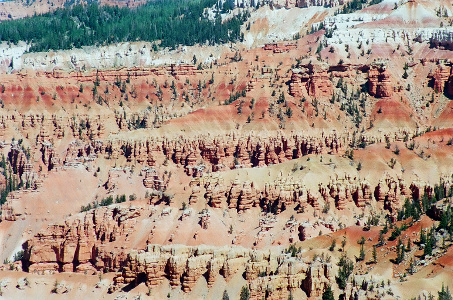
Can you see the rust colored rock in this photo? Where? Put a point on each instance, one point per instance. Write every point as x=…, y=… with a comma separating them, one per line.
x=379, y=83
x=312, y=80
x=184, y=265
x=443, y=79
x=78, y=245
x=152, y=180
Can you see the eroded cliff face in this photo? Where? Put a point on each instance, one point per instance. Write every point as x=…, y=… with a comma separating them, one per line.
x=92, y=243
x=223, y=164
x=79, y=244
x=443, y=79
x=311, y=80
x=379, y=83
x=268, y=274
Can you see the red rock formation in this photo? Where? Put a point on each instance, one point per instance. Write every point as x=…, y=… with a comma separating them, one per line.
x=379, y=83
x=205, y=219
x=280, y=47
x=183, y=70
x=217, y=198
x=442, y=78
x=234, y=193
x=152, y=180
x=185, y=265
x=50, y=158
x=78, y=246
x=312, y=79
x=319, y=275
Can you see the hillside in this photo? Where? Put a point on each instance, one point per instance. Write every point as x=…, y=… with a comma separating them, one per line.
x=307, y=153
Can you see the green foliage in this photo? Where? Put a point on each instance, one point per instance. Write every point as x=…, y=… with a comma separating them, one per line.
x=355, y=5
x=172, y=22
x=333, y=245
x=86, y=208
x=328, y=294
x=289, y=112
x=444, y=294
x=11, y=183
x=374, y=254
x=362, y=253
x=381, y=238
x=245, y=293
x=225, y=295
x=345, y=270
x=235, y=96
x=349, y=154
x=106, y=201
x=18, y=255
x=397, y=150
x=430, y=243
x=293, y=250
x=281, y=98
x=411, y=208
x=354, y=104
x=359, y=166
x=361, y=242
x=399, y=252
x=397, y=232
x=120, y=199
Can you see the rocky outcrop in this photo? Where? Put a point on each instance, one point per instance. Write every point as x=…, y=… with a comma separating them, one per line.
x=268, y=274
x=280, y=47
x=325, y=3
x=379, y=84
x=19, y=161
x=278, y=195
x=153, y=180
x=443, y=79
x=442, y=38
x=79, y=245
x=346, y=190
x=312, y=80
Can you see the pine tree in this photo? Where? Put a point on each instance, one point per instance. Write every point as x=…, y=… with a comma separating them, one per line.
x=422, y=236
x=443, y=221
x=411, y=269
x=445, y=294
x=225, y=295
x=245, y=293
x=399, y=252
x=362, y=253
x=345, y=270
x=333, y=245
x=328, y=294
x=428, y=250
x=381, y=238
x=343, y=243
x=374, y=254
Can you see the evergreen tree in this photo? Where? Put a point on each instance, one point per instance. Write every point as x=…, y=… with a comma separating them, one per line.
x=428, y=249
x=444, y=294
x=328, y=294
x=432, y=237
x=411, y=269
x=381, y=238
x=422, y=236
x=172, y=22
x=225, y=295
x=443, y=221
x=245, y=293
x=345, y=270
x=374, y=255
x=362, y=253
